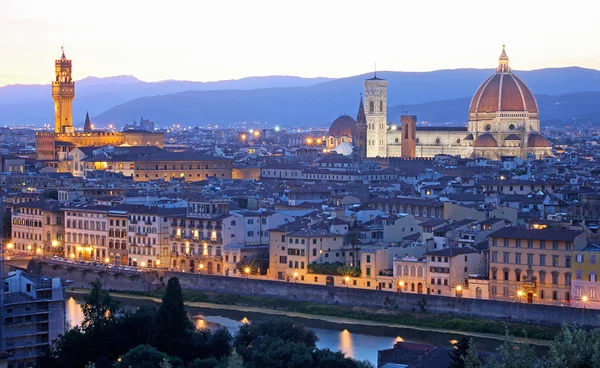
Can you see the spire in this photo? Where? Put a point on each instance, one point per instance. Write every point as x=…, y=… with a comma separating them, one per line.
x=503, y=62
x=62, y=50
x=87, y=127
x=361, y=117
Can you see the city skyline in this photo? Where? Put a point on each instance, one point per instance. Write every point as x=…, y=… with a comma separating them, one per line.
x=189, y=42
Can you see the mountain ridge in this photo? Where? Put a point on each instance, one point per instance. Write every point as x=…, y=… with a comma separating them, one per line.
x=272, y=99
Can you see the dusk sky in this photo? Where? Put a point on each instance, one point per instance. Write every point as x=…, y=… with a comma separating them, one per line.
x=215, y=40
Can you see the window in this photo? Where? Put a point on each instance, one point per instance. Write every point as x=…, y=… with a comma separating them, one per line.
x=543, y=244
x=578, y=275
x=554, y=295
x=314, y=241
x=250, y=221
x=250, y=233
x=518, y=275
x=371, y=106
x=579, y=258
x=368, y=258
x=555, y=261
x=568, y=245
x=529, y=243
x=554, y=245
x=506, y=275
x=542, y=260
x=568, y=261
x=494, y=257
x=518, y=243
x=593, y=259
x=505, y=243
x=314, y=252
x=555, y=278
x=505, y=257
x=518, y=258
x=368, y=271
x=530, y=259
x=494, y=274
x=593, y=276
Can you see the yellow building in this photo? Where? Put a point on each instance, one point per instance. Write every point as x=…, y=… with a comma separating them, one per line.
x=586, y=267
x=55, y=146
x=533, y=266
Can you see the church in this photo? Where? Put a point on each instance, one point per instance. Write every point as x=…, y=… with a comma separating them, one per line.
x=503, y=120
x=54, y=147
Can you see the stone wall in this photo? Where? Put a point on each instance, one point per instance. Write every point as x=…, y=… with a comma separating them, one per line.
x=513, y=312
x=149, y=281
x=81, y=277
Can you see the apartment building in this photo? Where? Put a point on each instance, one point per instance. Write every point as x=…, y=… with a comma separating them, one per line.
x=34, y=316
x=448, y=269
x=198, y=235
x=117, y=237
x=533, y=266
x=585, y=286
x=37, y=227
x=86, y=229
x=257, y=223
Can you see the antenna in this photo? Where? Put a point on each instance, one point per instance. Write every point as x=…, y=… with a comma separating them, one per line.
x=375, y=68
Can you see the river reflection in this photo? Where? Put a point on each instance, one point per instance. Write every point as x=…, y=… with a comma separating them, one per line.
x=357, y=341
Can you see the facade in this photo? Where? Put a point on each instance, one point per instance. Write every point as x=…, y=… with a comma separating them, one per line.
x=86, y=229
x=34, y=316
x=533, y=266
x=37, y=227
x=586, y=268
x=503, y=120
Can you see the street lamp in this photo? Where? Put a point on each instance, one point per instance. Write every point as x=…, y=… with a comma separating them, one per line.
x=295, y=277
x=459, y=290
x=201, y=267
x=107, y=260
x=247, y=271
x=157, y=263
x=401, y=284
x=347, y=280
x=584, y=300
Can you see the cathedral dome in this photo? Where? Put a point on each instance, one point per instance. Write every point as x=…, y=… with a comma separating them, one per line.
x=485, y=141
x=513, y=137
x=537, y=141
x=343, y=126
x=503, y=92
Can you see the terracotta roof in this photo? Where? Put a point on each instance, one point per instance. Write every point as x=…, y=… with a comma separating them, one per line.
x=537, y=140
x=503, y=92
x=544, y=234
x=343, y=126
x=485, y=140
x=512, y=137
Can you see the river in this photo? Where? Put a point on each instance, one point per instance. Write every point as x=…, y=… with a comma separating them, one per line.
x=357, y=341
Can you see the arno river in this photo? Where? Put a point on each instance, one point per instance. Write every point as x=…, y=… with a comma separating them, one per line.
x=357, y=341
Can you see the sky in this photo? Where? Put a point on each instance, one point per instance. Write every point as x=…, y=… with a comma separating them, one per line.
x=204, y=40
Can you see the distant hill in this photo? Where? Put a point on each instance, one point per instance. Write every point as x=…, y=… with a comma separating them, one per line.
x=440, y=95
x=32, y=104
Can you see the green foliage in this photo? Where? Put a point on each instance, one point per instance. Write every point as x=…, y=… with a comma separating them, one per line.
x=515, y=355
x=471, y=358
x=336, y=269
x=573, y=347
x=325, y=358
x=206, y=363
x=171, y=328
x=99, y=308
x=459, y=351
x=144, y=356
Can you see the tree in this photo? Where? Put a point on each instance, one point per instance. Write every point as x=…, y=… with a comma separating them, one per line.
x=276, y=353
x=459, y=351
x=574, y=347
x=471, y=359
x=206, y=363
x=99, y=308
x=144, y=356
x=514, y=355
x=171, y=332
x=325, y=358
x=352, y=239
x=220, y=343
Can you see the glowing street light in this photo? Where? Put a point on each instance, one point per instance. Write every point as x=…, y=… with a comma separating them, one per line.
x=584, y=300
x=54, y=243
x=295, y=277
x=106, y=260
x=201, y=267
x=347, y=280
x=243, y=137
x=247, y=271
x=256, y=133
x=309, y=140
x=157, y=263
x=143, y=264
x=10, y=245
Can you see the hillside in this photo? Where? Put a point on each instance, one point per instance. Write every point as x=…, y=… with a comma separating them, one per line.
x=439, y=96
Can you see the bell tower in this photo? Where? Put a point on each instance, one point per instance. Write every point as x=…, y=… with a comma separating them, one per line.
x=376, y=114
x=63, y=93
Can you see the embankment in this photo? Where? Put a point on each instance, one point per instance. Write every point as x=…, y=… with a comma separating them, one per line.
x=476, y=308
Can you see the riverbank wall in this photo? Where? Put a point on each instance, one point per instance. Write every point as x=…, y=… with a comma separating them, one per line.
x=352, y=297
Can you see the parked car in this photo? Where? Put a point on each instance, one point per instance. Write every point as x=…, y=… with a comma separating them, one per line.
x=70, y=261
x=127, y=268
x=109, y=265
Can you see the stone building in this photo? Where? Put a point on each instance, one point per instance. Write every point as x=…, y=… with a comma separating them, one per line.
x=37, y=227
x=54, y=147
x=533, y=266
x=503, y=120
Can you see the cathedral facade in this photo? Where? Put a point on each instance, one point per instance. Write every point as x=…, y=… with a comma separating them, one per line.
x=503, y=120
x=54, y=147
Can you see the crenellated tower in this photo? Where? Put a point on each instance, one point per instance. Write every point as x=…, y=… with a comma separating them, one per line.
x=376, y=114
x=63, y=93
